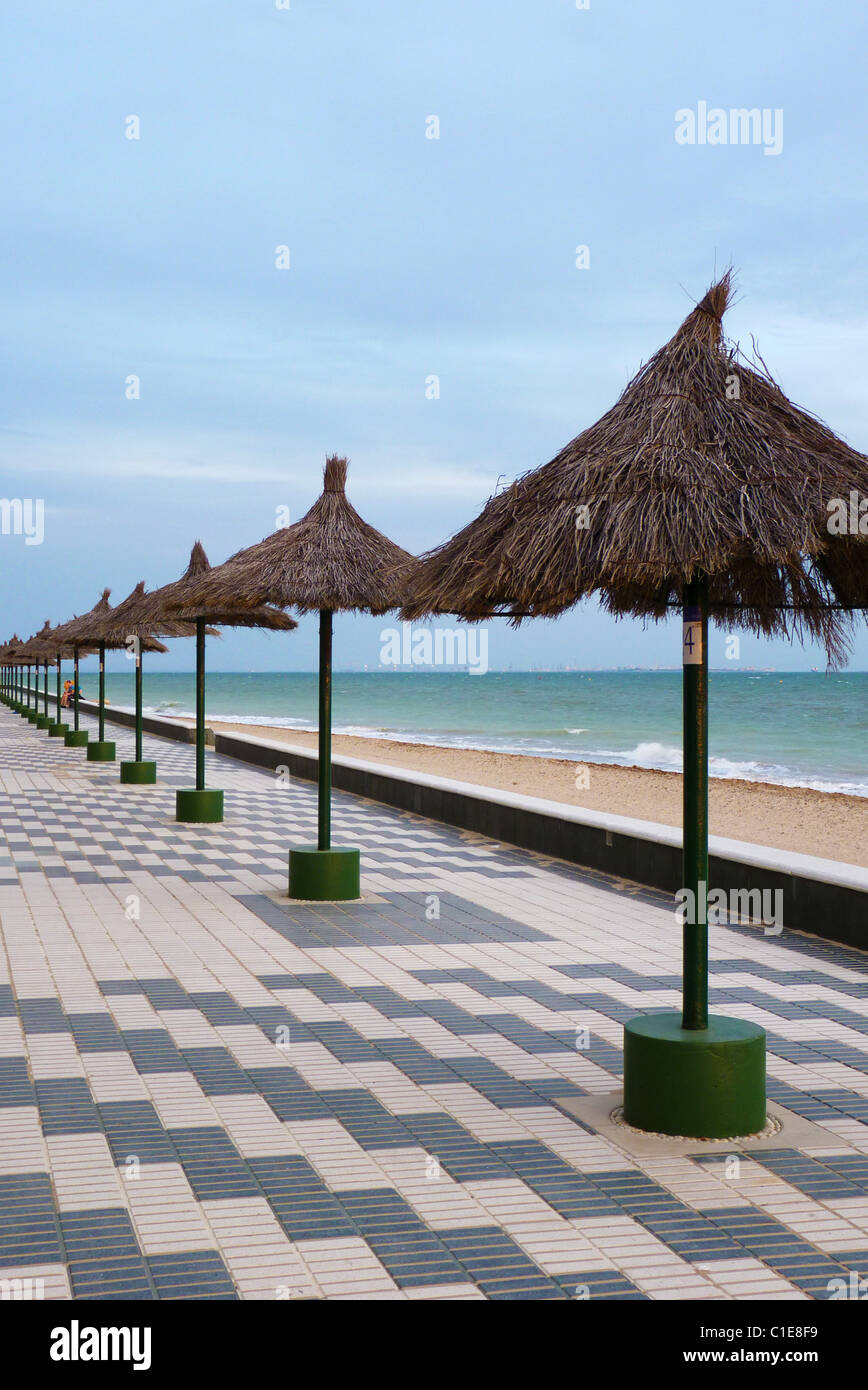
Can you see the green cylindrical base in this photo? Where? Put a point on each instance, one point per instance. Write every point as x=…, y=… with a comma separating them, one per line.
x=57, y=730
x=101, y=752
x=76, y=738
x=707, y=1083
x=32, y=716
x=203, y=807
x=142, y=774
x=43, y=721
x=324, y=875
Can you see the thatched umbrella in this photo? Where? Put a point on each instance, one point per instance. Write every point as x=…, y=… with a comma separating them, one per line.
x=330, y=561
x=75, y=634
x=704, y=487
x=83, y=635
x=43, y=650
x=122, y=629
x=14, y=659
x=9, y=662
x=64, y=651
x=52, y=651
x=200, y=804
x=23, y=700
x=16, y=648
x=6, y=663
x=30, y=654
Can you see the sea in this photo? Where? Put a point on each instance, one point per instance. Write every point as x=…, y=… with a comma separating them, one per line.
x=799, y=729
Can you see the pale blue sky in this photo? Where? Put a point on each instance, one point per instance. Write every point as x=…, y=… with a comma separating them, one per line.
x=409, y=257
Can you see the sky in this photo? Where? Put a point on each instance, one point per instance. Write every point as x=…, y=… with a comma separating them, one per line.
x=262, y=125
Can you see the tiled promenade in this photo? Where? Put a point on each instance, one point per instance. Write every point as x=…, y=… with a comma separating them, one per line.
x=209, y=1092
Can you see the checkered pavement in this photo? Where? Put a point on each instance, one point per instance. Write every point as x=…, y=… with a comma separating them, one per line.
x=207, y=1091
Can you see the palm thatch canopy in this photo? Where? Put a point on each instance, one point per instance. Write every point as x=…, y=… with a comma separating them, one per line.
x=9, y=650
x=78, y=631
x=48, y=640
x=134, y=617
x=23, y=653
x=703, y=466
x=330, y=559
x=173, y=599
x=40, y=649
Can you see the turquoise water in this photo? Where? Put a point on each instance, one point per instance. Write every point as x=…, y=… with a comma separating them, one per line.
x=795, y=728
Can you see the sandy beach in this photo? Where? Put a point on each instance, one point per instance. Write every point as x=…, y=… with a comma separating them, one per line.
x=830, y=825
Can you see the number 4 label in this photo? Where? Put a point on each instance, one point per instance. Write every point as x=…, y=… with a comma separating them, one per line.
x=692, y=644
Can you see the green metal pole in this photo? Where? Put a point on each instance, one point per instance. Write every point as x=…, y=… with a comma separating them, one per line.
x=45, y=690
x=75, y=690
x=58, y=715
x=138, y=700
x=200, y=704
x=324, y=811
x=695, y=809
x=101, y=691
